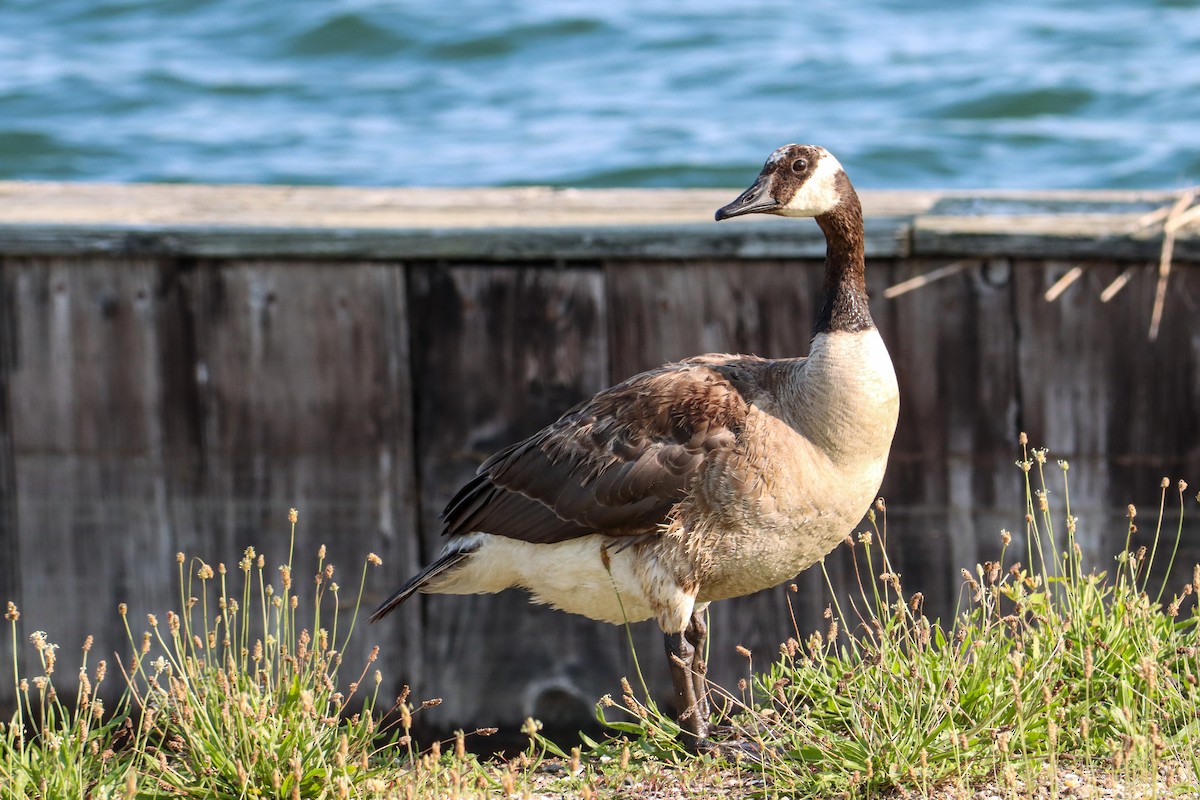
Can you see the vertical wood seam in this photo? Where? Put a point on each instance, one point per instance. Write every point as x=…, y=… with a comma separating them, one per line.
x=10, y=541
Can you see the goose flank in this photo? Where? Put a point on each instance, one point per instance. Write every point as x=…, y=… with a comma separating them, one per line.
x=701, y=480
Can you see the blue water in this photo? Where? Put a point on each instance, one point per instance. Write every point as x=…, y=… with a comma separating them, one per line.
x=908, y=93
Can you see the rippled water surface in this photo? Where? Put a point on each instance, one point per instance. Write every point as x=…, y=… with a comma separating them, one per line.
x=1023, y=93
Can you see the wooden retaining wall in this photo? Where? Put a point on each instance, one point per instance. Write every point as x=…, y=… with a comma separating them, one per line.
x=180, y=365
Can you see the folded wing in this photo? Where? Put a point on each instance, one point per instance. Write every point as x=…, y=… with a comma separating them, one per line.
x=617, y=463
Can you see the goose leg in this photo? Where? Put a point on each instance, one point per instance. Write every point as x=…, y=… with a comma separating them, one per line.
x=686, y=654
x=696, y=635
x=691, y=711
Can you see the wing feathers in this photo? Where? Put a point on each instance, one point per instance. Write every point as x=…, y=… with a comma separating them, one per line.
x=445, y=562
x=617, y=463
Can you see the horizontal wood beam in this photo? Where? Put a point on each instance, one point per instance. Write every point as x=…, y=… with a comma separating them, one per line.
x=541, y=223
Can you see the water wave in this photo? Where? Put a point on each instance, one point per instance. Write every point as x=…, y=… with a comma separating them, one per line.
x=917, y=93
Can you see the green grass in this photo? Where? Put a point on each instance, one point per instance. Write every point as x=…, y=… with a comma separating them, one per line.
x=1055, y=673
x=1052, y=667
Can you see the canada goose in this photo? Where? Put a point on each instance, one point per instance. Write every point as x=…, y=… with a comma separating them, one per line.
x=710, y=478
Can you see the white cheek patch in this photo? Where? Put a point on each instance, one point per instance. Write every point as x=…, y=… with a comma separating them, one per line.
x=819, y=194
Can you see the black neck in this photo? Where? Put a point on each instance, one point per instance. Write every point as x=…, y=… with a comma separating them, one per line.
x=844, y=306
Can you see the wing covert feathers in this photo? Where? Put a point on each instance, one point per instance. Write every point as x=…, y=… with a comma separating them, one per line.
x=617, y=463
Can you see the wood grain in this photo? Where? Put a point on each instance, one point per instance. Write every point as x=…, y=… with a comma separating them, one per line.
x=498, y=353
x=159, y=407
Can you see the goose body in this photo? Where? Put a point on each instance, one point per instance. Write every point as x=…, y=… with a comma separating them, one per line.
x=701, y=480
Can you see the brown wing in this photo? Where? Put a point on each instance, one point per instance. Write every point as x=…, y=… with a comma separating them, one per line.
x=616, y=463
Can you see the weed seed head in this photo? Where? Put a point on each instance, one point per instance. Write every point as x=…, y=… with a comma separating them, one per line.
x=293, y=515
x=1148, y=670
x=12, y=614
x=374, y=560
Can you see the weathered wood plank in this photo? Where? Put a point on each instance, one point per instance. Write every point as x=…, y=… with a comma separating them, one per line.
x=1077, y=236
x=10, y=538
x=302, y=387
x=1123, y=411
x=329, y=207
x=951, y=483
x=87, y=443
x=157, y=409
x=498, y=353
x=751, y=239
x=541, y=223
x=497, y=224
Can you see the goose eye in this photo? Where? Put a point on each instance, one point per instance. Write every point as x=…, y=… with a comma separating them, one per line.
x=799, y=165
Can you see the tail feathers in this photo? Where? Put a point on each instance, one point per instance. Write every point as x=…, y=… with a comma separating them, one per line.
x=444, y=562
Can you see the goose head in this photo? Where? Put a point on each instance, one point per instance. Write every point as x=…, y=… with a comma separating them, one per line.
x=798, y=180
